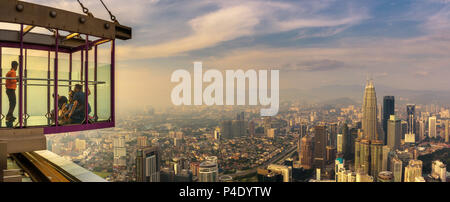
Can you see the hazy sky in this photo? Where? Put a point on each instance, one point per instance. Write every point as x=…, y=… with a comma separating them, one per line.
x=403, y=44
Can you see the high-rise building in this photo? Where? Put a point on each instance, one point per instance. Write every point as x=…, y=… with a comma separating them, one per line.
x=422, y=126
x=370, y=160
x=148, y=165
x=251, y=128
x=413, y=170
x=369, y=119
x=397, y=169
x=208, y=172
x=388, y=110
x=364, y=157
x=238, y=128
x=352, y=136
x=346, y=140
x=286, y=171
x=432, y=127
x=357, y=154
x=385, y=162
x=142, y=141
x=194, y=168
x=271, y=133
x=361, y=177
x=376, y=157
x=447, y=130
x=267, y=121
x=332, y=134
x=394, y=132
x=320, y=143
x=119, y=152
x=411, y=118
x=340, y=143
x=331, y=154
x=439, y=171
x=410, y=138
x=217, y=133
x=226, y=129
x=306, y=155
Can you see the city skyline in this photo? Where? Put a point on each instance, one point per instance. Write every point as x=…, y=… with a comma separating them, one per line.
x=403, y=44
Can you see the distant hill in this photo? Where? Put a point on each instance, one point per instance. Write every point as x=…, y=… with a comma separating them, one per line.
x=353, y=94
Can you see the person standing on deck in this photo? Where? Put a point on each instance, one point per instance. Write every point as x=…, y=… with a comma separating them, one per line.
x=11, y=85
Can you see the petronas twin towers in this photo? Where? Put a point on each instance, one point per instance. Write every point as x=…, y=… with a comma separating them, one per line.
x=368, y=145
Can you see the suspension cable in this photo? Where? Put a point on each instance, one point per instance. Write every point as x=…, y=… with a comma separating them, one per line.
x=85, y=10
x=113, y=18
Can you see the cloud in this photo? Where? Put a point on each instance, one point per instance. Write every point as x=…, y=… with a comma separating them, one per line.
x=236, y=19
x=213, y=28
x=421, y=73
x=322, y=33
x=316, y=65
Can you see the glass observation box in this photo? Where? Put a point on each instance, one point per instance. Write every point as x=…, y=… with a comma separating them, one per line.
x=57, y=68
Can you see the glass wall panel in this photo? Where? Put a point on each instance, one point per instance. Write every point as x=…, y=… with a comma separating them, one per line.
x=37, y=88
x=104, y=82
x=8, y=55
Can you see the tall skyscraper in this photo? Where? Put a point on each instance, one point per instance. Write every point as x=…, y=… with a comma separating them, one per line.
x=411, y=118
x=148, y=165
x=370, y=145
x=332, y=134
x=320, y=143
x=422, y=129
x=376, y=160
x=447, y=130
x=369, y=119
x=226, y=129
x=397, y=169
x=394, y=132
x=340, y=143
x=306, y=157
x=388, y=110
x=432, y=127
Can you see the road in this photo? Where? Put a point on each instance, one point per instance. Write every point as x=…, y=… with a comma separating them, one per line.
x=275, y=159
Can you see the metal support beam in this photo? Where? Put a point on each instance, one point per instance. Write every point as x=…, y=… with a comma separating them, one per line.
x=1, y=90
x=20, y=12
x=95, y=80
x=26, y=89
x=86, y=84
x=21, y=78
x=70, y=71
x=113, y=82
x=55, y=74
x=48, y=87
